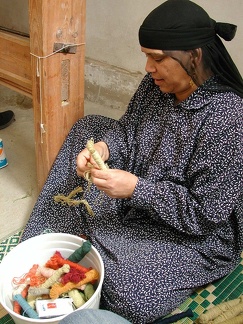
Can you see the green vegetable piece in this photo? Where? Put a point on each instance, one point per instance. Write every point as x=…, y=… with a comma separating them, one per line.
x=78, y=254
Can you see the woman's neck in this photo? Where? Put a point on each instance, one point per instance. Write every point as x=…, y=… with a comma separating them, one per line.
x=200, y=78
x=181, y=96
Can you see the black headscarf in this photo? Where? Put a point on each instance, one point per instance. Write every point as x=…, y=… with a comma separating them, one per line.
x=183, y=25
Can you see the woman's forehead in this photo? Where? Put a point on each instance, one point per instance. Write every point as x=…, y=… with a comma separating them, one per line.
x=151, y=51
x=158, y=52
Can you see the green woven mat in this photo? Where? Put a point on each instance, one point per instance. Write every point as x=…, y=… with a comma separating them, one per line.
x=8, y=244
x=227, y=288
x=5, y=247
x=6, y=320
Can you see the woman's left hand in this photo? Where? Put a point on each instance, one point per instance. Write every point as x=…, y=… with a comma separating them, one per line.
x=114, y=183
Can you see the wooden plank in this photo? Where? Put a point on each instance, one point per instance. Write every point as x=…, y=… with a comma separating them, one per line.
x=58, y=90
x=15, y=68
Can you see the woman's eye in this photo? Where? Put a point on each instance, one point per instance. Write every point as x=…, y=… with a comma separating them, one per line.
x=159, y=59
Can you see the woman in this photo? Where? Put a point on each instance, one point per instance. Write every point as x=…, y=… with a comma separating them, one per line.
x=170, y=218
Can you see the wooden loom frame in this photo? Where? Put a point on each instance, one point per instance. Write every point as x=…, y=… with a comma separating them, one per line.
x=55, y=82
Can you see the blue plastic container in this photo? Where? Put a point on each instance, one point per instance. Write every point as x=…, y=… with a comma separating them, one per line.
x=3, y=160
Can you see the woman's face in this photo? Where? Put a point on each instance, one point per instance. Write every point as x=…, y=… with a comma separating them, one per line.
x=166, y=71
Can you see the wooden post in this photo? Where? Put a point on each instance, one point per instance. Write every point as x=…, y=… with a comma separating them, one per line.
x=57, y=78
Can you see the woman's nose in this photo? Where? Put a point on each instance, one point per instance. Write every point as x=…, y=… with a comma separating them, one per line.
x=150, y=67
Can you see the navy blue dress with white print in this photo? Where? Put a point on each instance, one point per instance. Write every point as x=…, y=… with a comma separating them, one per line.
x=183, y=226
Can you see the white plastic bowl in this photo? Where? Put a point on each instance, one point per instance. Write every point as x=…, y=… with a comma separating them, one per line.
x=38, y=250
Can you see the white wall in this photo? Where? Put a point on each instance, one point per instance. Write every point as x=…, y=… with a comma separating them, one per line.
x=14, y=15
x=114, y=62
x=112, y=29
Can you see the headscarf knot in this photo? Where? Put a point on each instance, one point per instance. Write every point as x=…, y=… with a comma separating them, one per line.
x=225, y=30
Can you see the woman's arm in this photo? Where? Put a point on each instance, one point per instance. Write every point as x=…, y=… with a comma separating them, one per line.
x=214, y=182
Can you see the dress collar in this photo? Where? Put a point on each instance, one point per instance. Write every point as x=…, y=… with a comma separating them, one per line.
x=202, y=96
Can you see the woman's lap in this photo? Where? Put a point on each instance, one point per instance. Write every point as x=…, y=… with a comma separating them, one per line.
x=48, y=215
x=108, y=233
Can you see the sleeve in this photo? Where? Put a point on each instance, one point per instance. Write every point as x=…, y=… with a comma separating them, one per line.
x=214, y=181
x=120, y=139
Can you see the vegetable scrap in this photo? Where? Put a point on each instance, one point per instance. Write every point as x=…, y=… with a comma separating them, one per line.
x=229, y=312
x=59, y=278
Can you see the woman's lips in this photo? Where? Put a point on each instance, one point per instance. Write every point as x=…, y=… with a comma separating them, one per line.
x=158, y=81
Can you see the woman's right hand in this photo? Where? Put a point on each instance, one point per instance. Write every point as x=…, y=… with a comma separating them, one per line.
x=84, y=158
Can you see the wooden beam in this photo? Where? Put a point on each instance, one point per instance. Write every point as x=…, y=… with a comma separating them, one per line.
x=15, y=68
x=58, y=79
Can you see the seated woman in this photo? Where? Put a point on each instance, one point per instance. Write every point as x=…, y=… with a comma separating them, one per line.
x=170, y=216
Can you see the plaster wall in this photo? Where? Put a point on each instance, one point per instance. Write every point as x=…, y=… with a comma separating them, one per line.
x=114, y=63
x=112, y=38
x=112, y=29
x=14, y=15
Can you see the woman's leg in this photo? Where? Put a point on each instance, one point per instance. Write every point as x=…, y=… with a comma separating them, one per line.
x=49, y=216
x=93, y=316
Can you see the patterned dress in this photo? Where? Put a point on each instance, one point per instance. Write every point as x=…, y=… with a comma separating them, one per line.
x=183, y=226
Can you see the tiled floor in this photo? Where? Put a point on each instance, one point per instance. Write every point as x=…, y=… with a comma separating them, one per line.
x=18, y=190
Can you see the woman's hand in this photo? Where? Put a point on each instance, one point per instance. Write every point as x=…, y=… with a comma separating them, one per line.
x=84, y=158
x=114, y=183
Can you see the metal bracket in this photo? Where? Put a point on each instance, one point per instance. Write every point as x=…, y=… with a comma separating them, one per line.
x=65, y=48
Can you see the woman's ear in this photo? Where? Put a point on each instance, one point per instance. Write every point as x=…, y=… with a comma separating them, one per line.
x=196, y=57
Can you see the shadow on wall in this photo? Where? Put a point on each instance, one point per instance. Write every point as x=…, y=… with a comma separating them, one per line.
x=108, y=85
